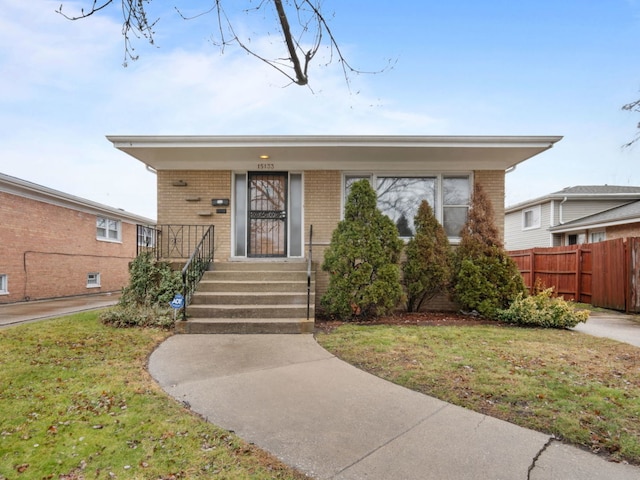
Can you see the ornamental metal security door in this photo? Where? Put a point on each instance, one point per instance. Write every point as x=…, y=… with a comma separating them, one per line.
x=267, y=215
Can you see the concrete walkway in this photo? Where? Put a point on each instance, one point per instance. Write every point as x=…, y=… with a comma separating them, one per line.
x=332, y=421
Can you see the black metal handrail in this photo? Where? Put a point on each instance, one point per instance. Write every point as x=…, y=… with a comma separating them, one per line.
x=169, y=241
x=195, y=267
x=309, y=260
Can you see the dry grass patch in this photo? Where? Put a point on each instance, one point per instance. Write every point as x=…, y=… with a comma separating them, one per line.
x=582, y=389
x=76, y=402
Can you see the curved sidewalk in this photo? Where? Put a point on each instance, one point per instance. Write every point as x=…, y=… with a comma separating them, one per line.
x=330, y=420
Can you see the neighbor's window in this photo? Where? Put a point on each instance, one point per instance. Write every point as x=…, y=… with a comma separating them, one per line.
x=576, y=239
x=531, y=218
x=4, y=285
x=595, y=237
x=146, y=236
x=400, y=197
x=93, y=280
x=108, y=229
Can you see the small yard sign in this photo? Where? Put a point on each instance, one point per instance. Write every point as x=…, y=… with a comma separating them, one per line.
x=177, y=302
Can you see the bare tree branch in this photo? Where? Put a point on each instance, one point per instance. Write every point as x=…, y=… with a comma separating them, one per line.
x=633, y=107
x=311, y=22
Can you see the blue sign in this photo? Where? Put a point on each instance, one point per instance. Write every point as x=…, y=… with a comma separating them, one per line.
x=177, y=302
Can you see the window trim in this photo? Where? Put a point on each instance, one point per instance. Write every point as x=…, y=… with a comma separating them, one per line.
x=106, y=238
x=97, y=283
x=146, y=236
x=438, y=209
x=537, y=216
x=4, y=284
x=598, y=232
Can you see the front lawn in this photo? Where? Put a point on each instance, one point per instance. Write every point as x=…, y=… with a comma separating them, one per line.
x=76, y=402
x=582, y=389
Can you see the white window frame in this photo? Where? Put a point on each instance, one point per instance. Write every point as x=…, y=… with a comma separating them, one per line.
x=4, y=284
x=438, y=209
x=110, y=222
x=146, y=236
x=536, y=213
x=601, y=234
x=93, y=280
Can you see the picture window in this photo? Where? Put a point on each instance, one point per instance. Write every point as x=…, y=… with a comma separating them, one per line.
x=400, y=197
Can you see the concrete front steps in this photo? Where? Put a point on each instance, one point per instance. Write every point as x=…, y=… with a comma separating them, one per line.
x=267, y=296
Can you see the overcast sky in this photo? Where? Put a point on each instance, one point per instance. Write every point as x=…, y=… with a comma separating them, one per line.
x=461, y=67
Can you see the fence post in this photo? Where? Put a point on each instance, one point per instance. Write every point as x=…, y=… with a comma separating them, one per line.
x=578, y=297
x=532, y=276
x=627, y=282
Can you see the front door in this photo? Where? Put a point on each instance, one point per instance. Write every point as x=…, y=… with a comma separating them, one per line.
x=267, y=215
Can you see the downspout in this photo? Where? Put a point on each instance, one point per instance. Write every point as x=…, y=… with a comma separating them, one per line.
x=560, y=220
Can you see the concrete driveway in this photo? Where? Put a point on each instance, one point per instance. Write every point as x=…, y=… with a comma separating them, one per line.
x=614, y=325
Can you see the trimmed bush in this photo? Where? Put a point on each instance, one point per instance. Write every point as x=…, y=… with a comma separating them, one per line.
x=543, y=310
x=145, y=301
x=362, y=260
x=488, y=283
x=138, y=316
x=427, y=268
x=485, y=278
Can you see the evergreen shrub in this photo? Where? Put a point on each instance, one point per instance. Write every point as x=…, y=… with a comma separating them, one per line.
x=362, y=260
x=145, y=300
x=485, y=278
x=543, y=310
x=427, y=268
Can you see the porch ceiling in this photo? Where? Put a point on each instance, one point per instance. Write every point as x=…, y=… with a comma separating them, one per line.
x=353, y=153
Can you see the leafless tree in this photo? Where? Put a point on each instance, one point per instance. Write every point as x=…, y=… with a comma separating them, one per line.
x=302, y=38
x=633, y=107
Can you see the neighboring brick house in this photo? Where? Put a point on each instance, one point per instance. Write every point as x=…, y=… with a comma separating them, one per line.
x=262, y=193
x=574, y=215
x=58, y=245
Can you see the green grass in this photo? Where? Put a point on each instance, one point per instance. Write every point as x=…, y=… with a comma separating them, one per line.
x=76, y=402
x=582, y=389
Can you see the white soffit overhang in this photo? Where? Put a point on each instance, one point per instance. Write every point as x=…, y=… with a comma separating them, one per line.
x=353, y=153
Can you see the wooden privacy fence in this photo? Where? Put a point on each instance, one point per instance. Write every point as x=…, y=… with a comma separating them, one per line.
x=604, y=274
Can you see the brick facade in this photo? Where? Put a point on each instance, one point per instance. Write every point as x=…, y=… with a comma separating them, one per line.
x=184, y=197
x=48, y=250
x=623, y=231
x=492, y=182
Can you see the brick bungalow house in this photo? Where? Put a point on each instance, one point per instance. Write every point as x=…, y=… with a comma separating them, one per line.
x=263, y=193
x=57, y=245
